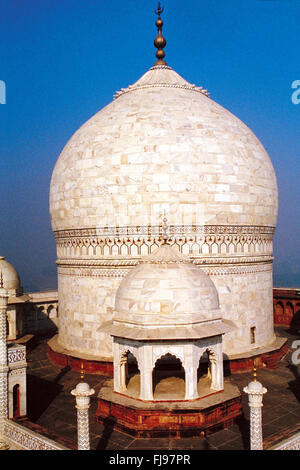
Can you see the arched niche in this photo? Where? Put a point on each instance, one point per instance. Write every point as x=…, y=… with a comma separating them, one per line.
x=124, y=250
x=16, y=401
x=129, y=374
x=134, y=250
x=289, y=309
x=144, y=250
x=206, y=372
x=168, y=378
x=115, y=250
x=279, y=310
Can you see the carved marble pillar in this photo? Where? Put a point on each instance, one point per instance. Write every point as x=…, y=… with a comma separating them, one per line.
x=3, y=362
x=123, y=373
x=190, y=368
x=217, y=372
x=146, y=383
x=117, y=367
x=191, y=392
x=146, y=371
x=214, y=373
x=82, y=392
x=255, y=392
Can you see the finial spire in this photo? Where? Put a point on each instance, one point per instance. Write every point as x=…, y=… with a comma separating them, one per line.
x=159, y=41
x=165, y=229
x=82, y=372
x=254, y=374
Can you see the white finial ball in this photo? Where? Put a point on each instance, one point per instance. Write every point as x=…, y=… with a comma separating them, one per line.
x=82, y=387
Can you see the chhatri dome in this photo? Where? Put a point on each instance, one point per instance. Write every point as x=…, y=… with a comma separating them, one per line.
x=167, y=307
x=11, y=279
x=162, y=145
x=167, y=297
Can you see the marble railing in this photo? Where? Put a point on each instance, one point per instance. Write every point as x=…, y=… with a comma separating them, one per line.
x=293, y=443
x=26, y=439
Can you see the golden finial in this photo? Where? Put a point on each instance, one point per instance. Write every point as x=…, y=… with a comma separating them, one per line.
x=254, y=374
x=159, y=41
x=82, y=372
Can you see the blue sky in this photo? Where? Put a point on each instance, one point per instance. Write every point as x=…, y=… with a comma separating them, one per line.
x=62, y=61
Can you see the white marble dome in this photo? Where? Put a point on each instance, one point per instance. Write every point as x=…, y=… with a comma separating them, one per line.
x=162, y=146
x=166, y=288
x=162, y=142
x=11, y=279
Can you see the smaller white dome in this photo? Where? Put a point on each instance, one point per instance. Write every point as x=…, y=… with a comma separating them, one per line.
x=11, y=279
x=166, y=296
x=166, y=288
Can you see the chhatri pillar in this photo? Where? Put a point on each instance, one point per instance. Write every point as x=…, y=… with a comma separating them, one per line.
x=3, y=360
x=83, y=392
x=255, y=392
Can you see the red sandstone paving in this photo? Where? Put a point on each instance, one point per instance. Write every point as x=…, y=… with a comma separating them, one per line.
x=52, y=407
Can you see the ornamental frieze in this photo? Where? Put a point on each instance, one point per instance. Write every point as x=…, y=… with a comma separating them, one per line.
x=16, y=355
x=229, y=242
x=17, y=372
x=157, y=230
x=122, y=263
x=120, y=273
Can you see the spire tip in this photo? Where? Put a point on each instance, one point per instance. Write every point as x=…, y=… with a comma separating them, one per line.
x=160, y=41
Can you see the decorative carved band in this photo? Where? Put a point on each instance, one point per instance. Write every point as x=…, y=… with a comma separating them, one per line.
x=84, y=272
x=121, y=263
x=196, y=241
x=16, y=355
x=17, y=372
x=120, y=273
x=184, y=230
x=124, y=91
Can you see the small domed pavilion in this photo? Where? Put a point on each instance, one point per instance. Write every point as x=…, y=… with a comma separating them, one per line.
x=167, y=315
x=11, y=279
x=165, y=307
x=16, y=299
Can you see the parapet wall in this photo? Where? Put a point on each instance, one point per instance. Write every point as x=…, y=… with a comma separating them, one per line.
x=286, y=304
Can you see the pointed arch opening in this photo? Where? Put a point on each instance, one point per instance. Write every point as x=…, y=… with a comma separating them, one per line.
x=205, y=371
x=130, y=375
x=289, y=310
x=16, y=401
x=168, y=378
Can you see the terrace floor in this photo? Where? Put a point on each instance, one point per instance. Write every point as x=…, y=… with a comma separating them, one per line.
x=51, y=407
